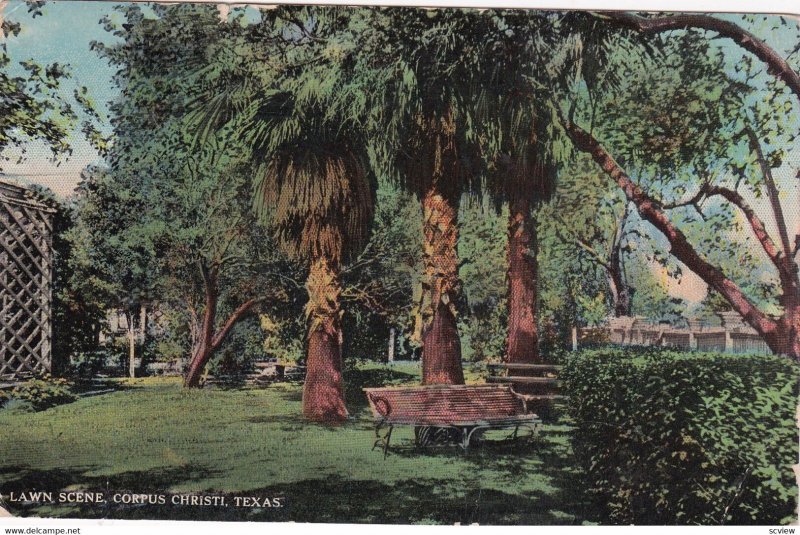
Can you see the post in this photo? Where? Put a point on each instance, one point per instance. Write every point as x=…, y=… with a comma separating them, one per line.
x=143, y=323
x=728, y=341
x=574, y=338
x=392, y=333
x=131, y=344
x=44, y=226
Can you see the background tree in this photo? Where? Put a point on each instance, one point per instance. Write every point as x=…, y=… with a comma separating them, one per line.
x=730, y=161
x=376, y=285
x=116, y=257
x=203, y=246
x=591, y=219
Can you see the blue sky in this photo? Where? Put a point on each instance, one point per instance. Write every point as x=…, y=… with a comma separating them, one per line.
x=63, y=34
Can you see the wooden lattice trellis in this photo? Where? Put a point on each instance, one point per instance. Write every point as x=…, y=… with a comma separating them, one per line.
x=26, y=228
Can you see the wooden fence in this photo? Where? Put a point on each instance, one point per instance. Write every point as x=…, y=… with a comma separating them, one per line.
x=26, y=227
x=731, y=337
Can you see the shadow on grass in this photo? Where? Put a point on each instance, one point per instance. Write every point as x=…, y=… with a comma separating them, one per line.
x=358, y=379
x=153, y=482
x=416, y=499
x=94, y=387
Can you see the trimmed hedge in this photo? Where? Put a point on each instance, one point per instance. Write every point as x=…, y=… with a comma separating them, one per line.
x=666, y=437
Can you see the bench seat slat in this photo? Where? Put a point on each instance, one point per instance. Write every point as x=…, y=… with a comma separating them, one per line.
x=445, y=405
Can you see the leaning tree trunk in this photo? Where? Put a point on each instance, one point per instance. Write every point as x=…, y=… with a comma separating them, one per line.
x=620, y=291
x=323, y=392
x=204, y=345
x=208, y=338
x=782, y=335
x=441, y=346
x=523, y=334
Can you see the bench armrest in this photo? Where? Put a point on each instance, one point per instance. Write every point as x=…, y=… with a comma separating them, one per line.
x=381, y=405
x=524, y=398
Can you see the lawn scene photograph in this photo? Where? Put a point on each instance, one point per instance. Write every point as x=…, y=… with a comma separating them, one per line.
x=398, y=265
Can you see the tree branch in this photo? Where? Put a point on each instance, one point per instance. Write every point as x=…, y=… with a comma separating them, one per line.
x=772, y=191
x=651, y=211
x=776, y=65
x=694, y=201
x=592, y=252
x=759, y=230
x=237, y=314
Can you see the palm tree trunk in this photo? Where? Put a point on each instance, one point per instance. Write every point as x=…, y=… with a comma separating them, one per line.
x=323, y=392
x=441, y=346
x=523, y=334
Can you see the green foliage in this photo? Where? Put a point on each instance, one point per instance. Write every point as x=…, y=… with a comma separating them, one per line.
x=685, y=438
x=377, y=286
x=34, y=105
x=283, y=337
x=45, y=392
x=244, y=345
x=482, y=250
x=87, y=364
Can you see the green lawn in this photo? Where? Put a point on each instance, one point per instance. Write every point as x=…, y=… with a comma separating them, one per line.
x=152, y=436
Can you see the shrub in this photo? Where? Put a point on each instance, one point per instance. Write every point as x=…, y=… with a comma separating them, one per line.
x=17, y=405
x=685, y=438
x=44, y=392
x=88, y=364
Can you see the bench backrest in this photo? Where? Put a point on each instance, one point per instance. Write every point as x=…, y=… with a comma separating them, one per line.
x=444, y=404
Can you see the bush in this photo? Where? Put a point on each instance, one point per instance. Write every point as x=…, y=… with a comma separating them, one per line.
x=17, y=405
x=88, y=364
x=44, y=393
x=685, y=438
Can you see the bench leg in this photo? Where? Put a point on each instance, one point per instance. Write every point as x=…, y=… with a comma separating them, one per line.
x=469, y=432
x=386, y=441
x=420, y=436
x=534, y=427
x=382, y=440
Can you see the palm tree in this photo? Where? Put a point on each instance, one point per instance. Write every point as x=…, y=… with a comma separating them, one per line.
x=320, y=202
x=530, y=61
x=514, y=116
x=427, y=58
x=290, y=96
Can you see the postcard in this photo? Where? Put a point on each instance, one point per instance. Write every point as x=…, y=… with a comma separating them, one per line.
x=398, y=265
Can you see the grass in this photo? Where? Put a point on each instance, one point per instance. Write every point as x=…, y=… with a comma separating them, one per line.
x=152, y=436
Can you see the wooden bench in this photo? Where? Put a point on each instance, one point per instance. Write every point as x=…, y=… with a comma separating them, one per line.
x=441, y=413
x=547, y=377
